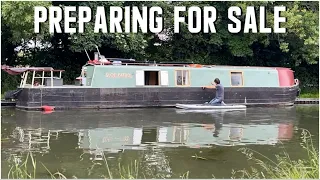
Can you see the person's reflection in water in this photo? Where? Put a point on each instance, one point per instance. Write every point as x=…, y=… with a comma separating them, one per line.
x=218, y=122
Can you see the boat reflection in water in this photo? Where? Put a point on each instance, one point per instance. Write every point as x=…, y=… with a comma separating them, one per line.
x=117, y=131
x=206, y=135
x=193, y=135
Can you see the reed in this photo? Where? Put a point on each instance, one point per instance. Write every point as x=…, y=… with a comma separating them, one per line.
x=129, y=172
x=283, y=166
x=22, y=170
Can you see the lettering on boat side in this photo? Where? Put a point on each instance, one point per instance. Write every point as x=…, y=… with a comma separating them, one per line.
x=118, y=75
x=110, y=139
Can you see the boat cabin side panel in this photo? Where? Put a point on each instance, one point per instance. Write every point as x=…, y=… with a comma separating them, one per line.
x=254, y=78
x=114, y=77
x=156, y=76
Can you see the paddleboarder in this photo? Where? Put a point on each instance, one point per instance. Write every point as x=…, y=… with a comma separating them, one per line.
x=219, y=92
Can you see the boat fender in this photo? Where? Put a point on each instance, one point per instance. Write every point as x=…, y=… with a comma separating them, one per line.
x=13, y=94
x=47, y=108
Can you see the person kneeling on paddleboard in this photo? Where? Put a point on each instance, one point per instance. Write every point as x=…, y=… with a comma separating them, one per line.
x=219, y=92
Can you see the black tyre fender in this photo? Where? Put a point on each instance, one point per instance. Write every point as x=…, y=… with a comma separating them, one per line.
x=11, y=94
x=298, y=92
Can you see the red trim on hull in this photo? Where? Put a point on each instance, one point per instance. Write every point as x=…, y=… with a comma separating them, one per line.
x=286, y=77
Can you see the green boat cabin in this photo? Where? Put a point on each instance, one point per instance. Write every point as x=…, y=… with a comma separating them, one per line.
x=126, y=76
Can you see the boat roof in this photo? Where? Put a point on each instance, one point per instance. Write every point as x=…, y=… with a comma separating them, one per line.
x=19, y=70
x=199, y=66
x=133, y=62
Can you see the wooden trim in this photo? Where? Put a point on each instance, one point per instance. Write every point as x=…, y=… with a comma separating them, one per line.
x=22, y=79
x=51, y=78
x=33, y=77
x=25, y=79
x=242, y=79
x=175, y=77
x=42, y=80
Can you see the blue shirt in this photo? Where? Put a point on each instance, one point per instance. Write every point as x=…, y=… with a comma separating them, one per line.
x=219, y=92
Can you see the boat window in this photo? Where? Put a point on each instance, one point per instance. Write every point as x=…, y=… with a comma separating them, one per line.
x=182, y=77
x=236, y=79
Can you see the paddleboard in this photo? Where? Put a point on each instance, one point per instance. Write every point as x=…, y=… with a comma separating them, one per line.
x=206, y=111
x=212, y=107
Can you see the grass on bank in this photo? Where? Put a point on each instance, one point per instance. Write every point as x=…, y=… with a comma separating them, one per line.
x=283, y=167
x=309, y=93
x=22, y=170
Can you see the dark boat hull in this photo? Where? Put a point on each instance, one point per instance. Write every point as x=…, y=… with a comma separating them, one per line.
x=69, y=98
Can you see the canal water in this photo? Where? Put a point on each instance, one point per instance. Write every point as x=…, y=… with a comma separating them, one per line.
x=153, y=143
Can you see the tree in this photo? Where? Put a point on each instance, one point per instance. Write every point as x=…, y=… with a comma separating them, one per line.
x=18, y=28
x=302, y=37
x=299, y=45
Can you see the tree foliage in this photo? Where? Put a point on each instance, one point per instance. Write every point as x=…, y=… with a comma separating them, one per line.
x=18, y=17
x=298, y=48
x=302, y=38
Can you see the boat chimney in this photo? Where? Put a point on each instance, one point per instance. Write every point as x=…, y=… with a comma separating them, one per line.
x=96, y=56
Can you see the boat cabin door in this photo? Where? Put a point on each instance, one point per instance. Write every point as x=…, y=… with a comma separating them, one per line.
x=152, y=77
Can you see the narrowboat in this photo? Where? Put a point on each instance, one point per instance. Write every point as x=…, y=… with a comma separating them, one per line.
x=127, y=83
